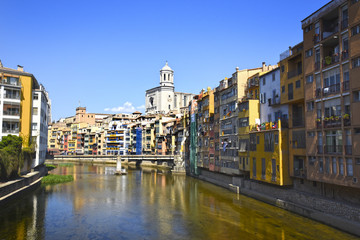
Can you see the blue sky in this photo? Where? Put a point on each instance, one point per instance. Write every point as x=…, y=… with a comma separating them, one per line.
x=105, y=54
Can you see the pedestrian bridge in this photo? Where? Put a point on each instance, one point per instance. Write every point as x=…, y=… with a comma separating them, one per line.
x=174, y=162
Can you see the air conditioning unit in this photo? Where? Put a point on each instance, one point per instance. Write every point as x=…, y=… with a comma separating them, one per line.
x=326, y=90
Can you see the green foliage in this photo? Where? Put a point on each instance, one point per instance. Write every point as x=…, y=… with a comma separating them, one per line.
x=13, y=155
x=10, y=157
x=66, y=165
x=50, y=167
x=55, y=179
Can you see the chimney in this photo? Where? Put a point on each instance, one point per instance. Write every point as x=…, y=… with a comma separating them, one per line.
x=1, y=65
x=263, y=66
x=20, y=68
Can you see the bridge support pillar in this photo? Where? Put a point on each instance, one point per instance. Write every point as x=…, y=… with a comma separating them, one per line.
x=179, y=165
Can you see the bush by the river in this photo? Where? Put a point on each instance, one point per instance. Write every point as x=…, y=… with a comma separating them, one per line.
x=13, y=154
x=55, y=179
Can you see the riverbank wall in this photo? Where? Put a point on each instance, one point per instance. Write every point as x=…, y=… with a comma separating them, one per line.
x=16, y=188
x=339, y=214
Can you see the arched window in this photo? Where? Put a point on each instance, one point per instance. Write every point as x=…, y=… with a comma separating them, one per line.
x=164, y=77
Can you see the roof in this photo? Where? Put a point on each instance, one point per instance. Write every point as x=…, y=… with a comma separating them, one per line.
x=166, y=67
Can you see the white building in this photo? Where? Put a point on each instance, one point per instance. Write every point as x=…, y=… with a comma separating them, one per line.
x=163, y=99
x=40, y=119
x=270, y=108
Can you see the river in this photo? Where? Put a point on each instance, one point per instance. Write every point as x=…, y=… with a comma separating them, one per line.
x=147, y=204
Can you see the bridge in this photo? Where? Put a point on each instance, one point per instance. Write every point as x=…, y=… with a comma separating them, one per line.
x=174, y=162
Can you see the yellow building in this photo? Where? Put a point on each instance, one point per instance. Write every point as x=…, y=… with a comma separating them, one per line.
x=269, y=160
x=248, y=115
x=292, y=93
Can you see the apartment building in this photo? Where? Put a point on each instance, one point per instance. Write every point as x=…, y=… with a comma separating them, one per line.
x=24, y=105
x=332, y=93
x=40, y=123
x=205, y=120
x=292, y=95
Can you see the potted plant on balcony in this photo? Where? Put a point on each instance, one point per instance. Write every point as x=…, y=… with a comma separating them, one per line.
x=318, y=120
x=346, y=116
x=326, y=119
x=332, y=118
x=327, y=60
x=337, y=118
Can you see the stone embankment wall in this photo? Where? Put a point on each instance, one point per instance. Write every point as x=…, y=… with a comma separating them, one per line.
x=13, y=189
x=85, y=159
x=339, y=214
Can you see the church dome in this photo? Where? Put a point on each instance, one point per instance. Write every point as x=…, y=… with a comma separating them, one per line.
x=166, y=67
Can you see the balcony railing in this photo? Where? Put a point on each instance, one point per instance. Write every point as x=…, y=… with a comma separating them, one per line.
x=329, y=60
x=346, y=86
x=333, y=121
x=299, y=172
x=317, y=66
x=316, y=38
x=346, y=119
x=348, y=149
x=294, y=73
x=318, y=93
x=320, y=149
x=333, y=149
x=344, y=54
x=335, y=88
x=318, y=123
x=9, y=130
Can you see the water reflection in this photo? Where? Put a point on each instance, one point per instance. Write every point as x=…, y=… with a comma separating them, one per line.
x=148, y=204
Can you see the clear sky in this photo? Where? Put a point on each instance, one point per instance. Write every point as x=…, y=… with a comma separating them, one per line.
x=105, y=54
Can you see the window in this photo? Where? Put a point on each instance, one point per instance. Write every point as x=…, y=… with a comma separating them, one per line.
x=308, y=28
x=243, y=122
x=276, y=139
x=309, y=79
x=311, y=134
x=282, y=68
x=334, y=165
x=341, y=166
x=349, y=167
x=34, y=126
x=327, y=165
x=273, y=169
x=36, y=96
x=264, y=81
x=310, y=106
x=35, y=111
x=290, y=91
x=297, y=84
x=282, y=89
x=312, y=160
x=273, y=77
x=254, y=167
x=356, y=95
x=269, y=142
x=309, y=53
x=263, y=168
x=355, y=30
x=356, y=62
x=321, y=165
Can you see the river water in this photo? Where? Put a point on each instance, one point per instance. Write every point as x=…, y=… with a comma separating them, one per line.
x=146, y=204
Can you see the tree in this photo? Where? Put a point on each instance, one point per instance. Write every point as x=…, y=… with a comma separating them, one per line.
x=11, y=158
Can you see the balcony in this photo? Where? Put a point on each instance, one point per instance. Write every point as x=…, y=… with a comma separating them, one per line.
x=318, y=123
x=346, y=86
x=333, y=121
x=317, y=66
x=301, y=173
x=320, y=149
x=294, y=73
x=331, y=28
x=318, y=93
x=335, y=88
x=344, y=54
x=347, y=121
x=316, y=38
x=330, y=60
x=254, y=83
x=348, y=149
x=333, y=149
